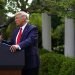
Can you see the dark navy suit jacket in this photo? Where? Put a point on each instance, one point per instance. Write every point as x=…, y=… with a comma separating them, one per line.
x=28, y=43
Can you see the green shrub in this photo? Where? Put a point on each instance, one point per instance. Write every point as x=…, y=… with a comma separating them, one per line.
x=43, y=51
x=51, y=63
x=44, y=65
x=56, y=64
x=68, y=67
x=44, y=60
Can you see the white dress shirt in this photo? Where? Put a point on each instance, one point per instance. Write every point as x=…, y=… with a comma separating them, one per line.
x=23, y=27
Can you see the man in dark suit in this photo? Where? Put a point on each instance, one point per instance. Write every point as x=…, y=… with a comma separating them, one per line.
x=25, y=37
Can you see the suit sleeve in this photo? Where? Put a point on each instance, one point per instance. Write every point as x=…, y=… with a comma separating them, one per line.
x=31, y=40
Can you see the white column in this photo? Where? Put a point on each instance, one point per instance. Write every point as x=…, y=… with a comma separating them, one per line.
x=69, y=37
x=46, y=31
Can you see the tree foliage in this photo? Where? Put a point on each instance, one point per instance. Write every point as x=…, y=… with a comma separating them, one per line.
x=54, y=7
x=59, y=7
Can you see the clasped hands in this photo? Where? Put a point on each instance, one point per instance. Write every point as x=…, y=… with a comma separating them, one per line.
x=13, y=48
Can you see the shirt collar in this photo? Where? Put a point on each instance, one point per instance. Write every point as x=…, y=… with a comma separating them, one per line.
x=23, y=26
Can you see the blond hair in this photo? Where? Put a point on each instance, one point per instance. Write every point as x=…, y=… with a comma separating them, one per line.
x=23, y=14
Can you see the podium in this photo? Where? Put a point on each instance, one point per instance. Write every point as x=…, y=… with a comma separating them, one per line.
x=11, y=63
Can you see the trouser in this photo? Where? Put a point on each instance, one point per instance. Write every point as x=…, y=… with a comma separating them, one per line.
x=33, y=71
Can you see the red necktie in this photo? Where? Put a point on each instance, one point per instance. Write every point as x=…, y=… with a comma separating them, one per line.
x=19, y=36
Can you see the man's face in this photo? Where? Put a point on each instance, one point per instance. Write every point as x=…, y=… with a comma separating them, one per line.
x=20, y=19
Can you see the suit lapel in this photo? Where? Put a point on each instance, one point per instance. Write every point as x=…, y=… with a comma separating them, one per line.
x=24, y=34
x=16, y=33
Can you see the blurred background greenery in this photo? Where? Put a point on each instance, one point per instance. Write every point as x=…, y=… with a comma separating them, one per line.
x=58, y=9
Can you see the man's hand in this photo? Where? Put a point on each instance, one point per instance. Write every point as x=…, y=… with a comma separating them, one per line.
x=13, y=48
x=1, y=38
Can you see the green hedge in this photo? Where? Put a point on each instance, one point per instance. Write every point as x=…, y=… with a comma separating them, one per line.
x=56, y=64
